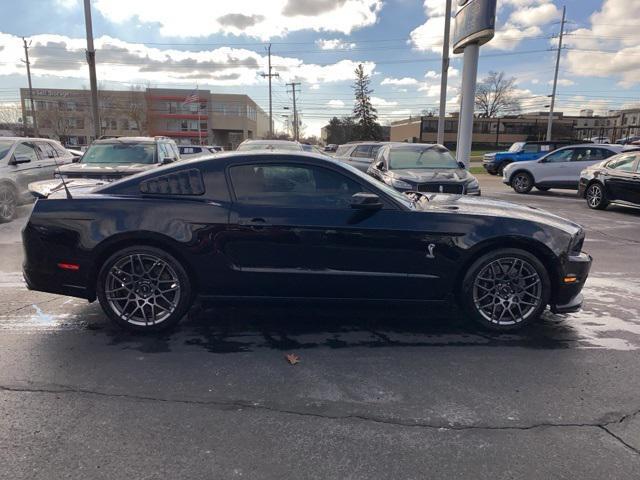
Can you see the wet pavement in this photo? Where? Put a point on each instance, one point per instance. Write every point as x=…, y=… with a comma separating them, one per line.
x=381, y=391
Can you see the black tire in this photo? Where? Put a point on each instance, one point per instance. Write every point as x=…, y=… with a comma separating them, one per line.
x=596, y=196
x=502, y=166
x=141, y=283
x=492, y=173
x=543, y=189
x=8, y=203
x=522, y=182
x=525, y=281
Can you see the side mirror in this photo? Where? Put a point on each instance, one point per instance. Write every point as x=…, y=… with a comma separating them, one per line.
x=76, y=159
x=379, y=165
x=366, y=201
x=167, y=161
x=462, y=165
x=20, y=159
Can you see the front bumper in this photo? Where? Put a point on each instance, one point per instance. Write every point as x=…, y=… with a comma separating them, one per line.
x=568, y=298
x=490, y=167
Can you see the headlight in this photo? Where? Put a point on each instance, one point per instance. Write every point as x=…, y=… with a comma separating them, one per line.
x=401, y=184
x=473, y=185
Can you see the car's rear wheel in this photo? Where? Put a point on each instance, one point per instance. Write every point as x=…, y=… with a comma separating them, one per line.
x=144, y=288
x=522, y=182
x=8, y=203
x=506, y=289
x=596, y=196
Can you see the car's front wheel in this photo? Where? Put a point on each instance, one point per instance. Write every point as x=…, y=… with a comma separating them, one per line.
x=506, y=289
x=596, y=196
x=144, y=288
x=8, y=203
x=522, y=182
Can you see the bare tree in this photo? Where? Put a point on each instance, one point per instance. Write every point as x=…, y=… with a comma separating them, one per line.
x=495, y=95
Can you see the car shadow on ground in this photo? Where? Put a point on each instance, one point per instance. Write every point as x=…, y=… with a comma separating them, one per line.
x=229, y=329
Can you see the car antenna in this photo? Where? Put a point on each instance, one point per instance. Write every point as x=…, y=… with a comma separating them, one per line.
x=64, y=184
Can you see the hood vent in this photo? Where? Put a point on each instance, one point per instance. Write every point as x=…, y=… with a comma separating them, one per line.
x=184, y=182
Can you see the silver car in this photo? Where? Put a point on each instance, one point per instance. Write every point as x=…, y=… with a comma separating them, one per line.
x=358, y=154
x=23, y=161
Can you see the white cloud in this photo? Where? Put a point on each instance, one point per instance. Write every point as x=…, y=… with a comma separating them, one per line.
x=61, y=56
x=68, y=4
x=536, y=15
x=404, y=112
x=399, y=81
x=610, y=47
x=334, y=44
x=381, y=102
x=564, y=82
x=314, y=86
x=260, y=19
x=335, y=104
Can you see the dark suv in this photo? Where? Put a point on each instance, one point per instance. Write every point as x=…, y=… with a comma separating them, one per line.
x=495, y=162
x=358, y=154
x=114, y=158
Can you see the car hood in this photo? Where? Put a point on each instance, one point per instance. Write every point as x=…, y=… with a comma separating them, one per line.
x=86, y=169
x=526, y=163
x=465, y=204
x=448, y=175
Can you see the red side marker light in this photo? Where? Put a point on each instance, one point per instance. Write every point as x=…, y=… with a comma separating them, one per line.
x=69, y=266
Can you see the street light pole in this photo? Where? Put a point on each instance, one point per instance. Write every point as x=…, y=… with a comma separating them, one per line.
x=444, y=75
x=467, y=103
x=293, y=86
x=91, y=60
x=33, y=109
x=555, y=77
x=269, y=74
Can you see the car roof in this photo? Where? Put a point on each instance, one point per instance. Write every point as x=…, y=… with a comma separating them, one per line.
x=149, y=140
x=19, y=139
x=611, y=146
x=270, y=142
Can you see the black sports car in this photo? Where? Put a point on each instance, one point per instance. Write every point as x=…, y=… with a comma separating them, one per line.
x=615, y=180
x=296, y=225
x=423, y=168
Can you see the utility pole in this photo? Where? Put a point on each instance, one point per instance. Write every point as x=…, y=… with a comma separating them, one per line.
x=91, y=60
x=33, y=109
x=444, y=75
x=555, y=77
x=293, y=86
x=270, y=105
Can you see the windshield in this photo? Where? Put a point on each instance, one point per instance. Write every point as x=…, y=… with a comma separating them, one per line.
x=516, y=147
x=119, y=153
x=5, y=146
x=403, y=158
x=268, y=146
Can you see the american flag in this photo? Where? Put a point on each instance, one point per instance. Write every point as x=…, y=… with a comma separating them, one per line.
x=193, y=98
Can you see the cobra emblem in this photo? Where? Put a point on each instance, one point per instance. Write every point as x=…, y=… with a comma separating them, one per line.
x=431, y=251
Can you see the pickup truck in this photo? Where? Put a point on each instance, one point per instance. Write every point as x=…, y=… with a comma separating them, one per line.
x=495, y=162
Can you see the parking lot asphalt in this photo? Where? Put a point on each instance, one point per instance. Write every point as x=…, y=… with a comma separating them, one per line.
x=380, y=392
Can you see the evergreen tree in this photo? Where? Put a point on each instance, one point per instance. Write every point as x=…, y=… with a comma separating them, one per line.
x=364, y=113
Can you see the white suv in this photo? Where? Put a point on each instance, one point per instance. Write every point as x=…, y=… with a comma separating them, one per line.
x=558, y=169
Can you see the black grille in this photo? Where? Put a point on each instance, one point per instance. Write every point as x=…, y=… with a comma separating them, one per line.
x=441, y=188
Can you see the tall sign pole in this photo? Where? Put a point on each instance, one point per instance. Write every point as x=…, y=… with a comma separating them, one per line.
x=475, y=24
x=293, y=86
x=444, y=74
x=555, y=77
x=91, y=60
x=33, y=109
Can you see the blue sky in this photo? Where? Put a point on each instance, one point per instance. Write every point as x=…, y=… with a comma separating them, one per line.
x=221, y=46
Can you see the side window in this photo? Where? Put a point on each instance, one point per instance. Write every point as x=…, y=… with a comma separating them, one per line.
x=374, y=151
x=560, y=156
x=26, y=150
x=342, y=150
x=606, y=153
x=164, y=151
x=624, y=163
x=531, y=148
x=60, y=150
x=46, y=150
x=362, y=151
x=292, y=186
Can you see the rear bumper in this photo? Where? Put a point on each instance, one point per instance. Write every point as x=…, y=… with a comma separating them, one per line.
x=568, y=297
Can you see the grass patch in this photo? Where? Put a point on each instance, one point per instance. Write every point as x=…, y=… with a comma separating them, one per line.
x=477, y=170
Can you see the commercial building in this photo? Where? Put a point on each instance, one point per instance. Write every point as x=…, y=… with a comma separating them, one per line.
x=517, y=128
x=187, y=116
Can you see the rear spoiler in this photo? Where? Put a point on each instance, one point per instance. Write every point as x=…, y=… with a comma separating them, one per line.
x=45, y=188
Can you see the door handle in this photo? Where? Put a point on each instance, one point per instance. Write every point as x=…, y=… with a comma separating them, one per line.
x=256, y=223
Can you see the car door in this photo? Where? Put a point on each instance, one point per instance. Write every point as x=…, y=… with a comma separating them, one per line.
x=295, y=234
x=553, y=169
x=531, y=151
x=361, y=157
x=25, y=167
x=622, y=178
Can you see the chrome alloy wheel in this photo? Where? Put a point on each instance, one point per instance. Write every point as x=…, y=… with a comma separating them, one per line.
x=507, y=291
x=594, y=195
x=142, y=289
x=7, y=204
x=521, y=182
